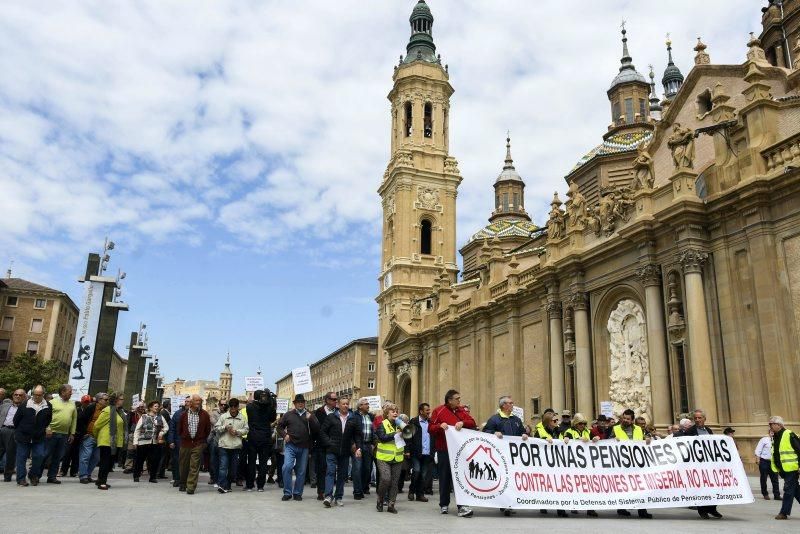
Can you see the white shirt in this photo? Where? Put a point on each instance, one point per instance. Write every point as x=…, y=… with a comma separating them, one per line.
x=764, y=448
x=12, y=411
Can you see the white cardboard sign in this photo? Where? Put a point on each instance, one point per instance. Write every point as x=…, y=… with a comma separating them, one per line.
x=302, y=379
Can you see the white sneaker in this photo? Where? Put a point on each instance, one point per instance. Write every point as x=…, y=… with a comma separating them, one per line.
x=464, y=511
x=444, y=510
x=338, y=502
x=327, y=502
x=216, y=486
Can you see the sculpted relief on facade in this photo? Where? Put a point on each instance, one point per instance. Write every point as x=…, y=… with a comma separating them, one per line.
x=629, y=360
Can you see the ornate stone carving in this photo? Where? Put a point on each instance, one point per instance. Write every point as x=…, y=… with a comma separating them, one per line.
x=675, y=323
x=404, y=158
x=649, y=275
x=702, y=57
x=403, y=368
x=614, y=206
x=554, y=309
x=391, y=367
x=692, y=260
x=579, y=301
x=451, y=165
x=629, y=361
x=755, y=53
x=681, y=142
x=643, y=170
x=556, y=227
x=576, y=207
x=415, y=359
x=428, y=197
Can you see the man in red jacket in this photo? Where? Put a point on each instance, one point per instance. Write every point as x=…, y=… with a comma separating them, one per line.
x=194, y=428
x=451, y=413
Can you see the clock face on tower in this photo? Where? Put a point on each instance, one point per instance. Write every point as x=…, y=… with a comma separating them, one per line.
x=387, y=280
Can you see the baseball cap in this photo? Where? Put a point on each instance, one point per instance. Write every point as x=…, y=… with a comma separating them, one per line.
x=566, y=413
x=86, y=399
x=728, y=430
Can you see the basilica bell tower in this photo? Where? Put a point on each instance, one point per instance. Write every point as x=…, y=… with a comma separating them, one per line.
x=419, y=188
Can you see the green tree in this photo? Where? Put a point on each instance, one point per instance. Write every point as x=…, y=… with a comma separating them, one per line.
x=26, y=371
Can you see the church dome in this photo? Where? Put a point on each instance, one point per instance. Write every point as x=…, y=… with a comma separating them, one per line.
x=616, y=144
x=627, y=71
x=505, y=228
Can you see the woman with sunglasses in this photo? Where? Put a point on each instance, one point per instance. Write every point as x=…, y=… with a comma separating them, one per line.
x=579, y=431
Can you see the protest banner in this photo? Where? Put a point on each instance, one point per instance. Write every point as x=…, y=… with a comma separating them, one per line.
x=135, y=400
x=605, y=475
x=607, y=408
x=519, y=412
x=175, y=403
x=253, y=383
x=282, y=405
x=374, y=403
x=302, y=379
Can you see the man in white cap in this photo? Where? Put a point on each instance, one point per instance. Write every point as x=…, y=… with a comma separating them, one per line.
x=785, y=454
x=566, y=421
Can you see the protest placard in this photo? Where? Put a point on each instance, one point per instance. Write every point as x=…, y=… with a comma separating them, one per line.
x=302, y=379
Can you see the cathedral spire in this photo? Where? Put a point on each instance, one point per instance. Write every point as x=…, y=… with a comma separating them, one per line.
x=655, y=105
x=509, y=190
x=673, y=78
x=509, y=161
x=627, y=70
x=420, y=45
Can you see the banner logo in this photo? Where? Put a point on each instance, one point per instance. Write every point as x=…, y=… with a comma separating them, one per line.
x=480, y=468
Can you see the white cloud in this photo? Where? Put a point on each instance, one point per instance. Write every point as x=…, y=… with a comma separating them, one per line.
x=166, y=120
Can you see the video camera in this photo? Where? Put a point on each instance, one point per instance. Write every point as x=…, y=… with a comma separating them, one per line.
x=265, y=396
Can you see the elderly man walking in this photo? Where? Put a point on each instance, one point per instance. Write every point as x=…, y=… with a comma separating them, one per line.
x=194, y=428
x=297, y=428
x=61, y=431
x=785, y=454
x=8, y=445
x=31, y=423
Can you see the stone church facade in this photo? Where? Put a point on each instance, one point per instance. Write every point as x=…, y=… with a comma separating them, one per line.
x=668, y=279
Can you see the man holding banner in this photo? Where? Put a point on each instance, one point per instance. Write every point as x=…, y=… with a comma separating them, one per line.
x=505, y=423
x=626, y=430
x=451, y=413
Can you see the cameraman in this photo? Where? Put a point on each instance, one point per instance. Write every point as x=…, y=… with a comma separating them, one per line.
x=260, y=416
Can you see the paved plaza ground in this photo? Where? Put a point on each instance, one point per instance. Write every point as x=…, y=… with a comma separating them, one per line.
x=147, y=508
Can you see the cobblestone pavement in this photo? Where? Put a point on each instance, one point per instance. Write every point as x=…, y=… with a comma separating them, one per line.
x=146, y=508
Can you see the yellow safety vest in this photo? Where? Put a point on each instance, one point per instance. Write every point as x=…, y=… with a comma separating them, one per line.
x=388, y=451
x=620, y=434
x=787, y=453
x=541, y=432
x=573, y=433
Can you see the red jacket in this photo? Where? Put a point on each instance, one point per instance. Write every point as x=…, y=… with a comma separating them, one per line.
x=203, y=430
x=443, y=414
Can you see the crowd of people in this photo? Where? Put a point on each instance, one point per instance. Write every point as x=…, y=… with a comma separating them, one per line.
x=249, y=446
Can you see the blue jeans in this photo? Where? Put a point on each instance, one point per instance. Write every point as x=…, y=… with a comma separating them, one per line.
x=421, y=466
x=55, y=445
x=362, y=471
x=36, y=451
x=294, y=457
x=337, y=469
x=790, y=492
x=213, y=460
x=227, y=462
x=89, y=457
x=176, y=453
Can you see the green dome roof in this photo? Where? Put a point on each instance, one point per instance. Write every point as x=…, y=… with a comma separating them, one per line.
x=505, y=228
x=420, y=46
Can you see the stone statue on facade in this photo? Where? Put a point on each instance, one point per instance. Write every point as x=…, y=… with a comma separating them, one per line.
x=556, y=226
x=681, y=142
x=576, y=207
x=643, y=170
x=628, y=359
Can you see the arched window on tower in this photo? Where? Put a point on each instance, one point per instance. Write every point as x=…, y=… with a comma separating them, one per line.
x=428, y=124
x=425, y=230
x=409, y=117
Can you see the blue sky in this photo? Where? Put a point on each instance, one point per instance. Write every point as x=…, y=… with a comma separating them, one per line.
x=232, y=149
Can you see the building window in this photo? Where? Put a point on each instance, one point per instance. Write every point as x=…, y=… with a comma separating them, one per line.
x=629, y=110
x=617, y=112
x=7, y=324
x=409, y=118
x=40, y=304
x=516, y=201
x=371, y=383
x=428, y=121
x=11, y=302
x=32, y=348
x=36, y=326
x=425, y=237
x=505, y=201
x=704, y=103
x=642, y=110
x=371, y=367
x=4, y=343
x=536, y=405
